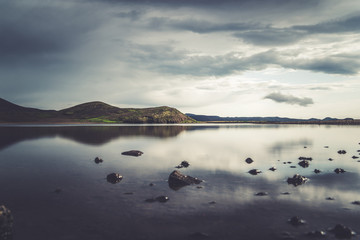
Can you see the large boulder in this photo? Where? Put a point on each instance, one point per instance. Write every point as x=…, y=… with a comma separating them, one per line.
x=6, y=223
x=178, y=180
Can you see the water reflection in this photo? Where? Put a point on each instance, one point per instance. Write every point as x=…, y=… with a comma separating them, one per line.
x=225, y=205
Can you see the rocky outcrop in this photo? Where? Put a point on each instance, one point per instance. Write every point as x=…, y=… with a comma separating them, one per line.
x=178, y=180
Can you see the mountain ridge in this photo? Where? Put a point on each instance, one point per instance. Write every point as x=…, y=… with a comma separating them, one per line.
x=93, y=112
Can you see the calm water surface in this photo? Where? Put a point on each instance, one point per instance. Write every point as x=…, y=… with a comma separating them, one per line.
x=36, y=161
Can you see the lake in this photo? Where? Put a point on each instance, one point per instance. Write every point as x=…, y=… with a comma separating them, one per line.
x=55, y=190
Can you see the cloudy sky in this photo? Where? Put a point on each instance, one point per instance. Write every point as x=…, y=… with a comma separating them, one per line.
x=288, y=58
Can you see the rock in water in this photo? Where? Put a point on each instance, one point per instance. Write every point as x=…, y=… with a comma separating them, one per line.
x=178, y=180
x=254, y=171
x=296, y=180
x=135, y=153
x=98, y=160
x=183, y=164
x=304, y=163
x=296, y=221
x=249, y=160
x=6, y=223
x=114, y=178
x=341, y=152
x=342, y=231
x=339, y=170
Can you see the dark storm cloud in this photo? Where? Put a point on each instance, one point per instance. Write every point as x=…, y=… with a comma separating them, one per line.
x=30, y=30
x=289, y=99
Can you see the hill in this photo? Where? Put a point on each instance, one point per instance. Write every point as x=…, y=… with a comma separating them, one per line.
x=282, y=120
x=98, y=112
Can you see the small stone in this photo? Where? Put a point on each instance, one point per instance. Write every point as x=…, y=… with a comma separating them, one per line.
x=330, y=159
x=272, y=169
x=296, y=221
x=304, y=163
x=254, y=171
x=162, y=199
x=355, y=157
x=326, y=146
x=292, y=166
x=199, y=187
x=330, y=198
x=341, y=152
x=249, y=160
x=285, y=193
x=317, y=171
x=339, y=170
x=114, y=178
x=289, y=162
x=134, y=153
x=151, y=184
x=98, y=160
x=342, y=231
x=183, y=164
x=261, y=194
x=296, y=180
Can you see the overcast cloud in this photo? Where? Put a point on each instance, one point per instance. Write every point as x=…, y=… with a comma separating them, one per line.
x=206, y=57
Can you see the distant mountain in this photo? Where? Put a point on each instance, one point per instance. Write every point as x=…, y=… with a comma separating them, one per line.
x=207, y=118
x=97, y=112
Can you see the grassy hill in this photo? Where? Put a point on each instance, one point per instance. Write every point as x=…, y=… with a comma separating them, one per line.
x=97, y=112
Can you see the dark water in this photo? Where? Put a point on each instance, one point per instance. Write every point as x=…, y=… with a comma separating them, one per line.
x=55, y=190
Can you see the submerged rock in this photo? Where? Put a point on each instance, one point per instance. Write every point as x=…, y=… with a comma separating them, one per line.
x=254, y=171
x=6, y=223
x=339, y=170
x=356, y=203
x=316, y=234
x=296, y=221
x=317, y=171
x=341, y=231
x=249, y=160
x=134, y=153
x=114, y=178
x=98, y=160
x=296, y=180
x=178, y=180
x=330, y=198
x=304, y=163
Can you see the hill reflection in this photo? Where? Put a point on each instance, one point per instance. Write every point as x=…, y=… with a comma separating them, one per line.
x=92, y=135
